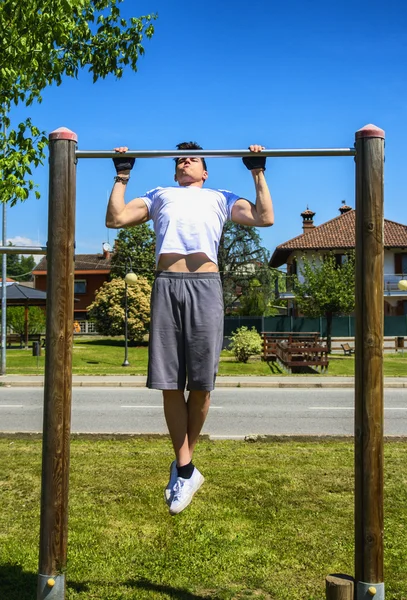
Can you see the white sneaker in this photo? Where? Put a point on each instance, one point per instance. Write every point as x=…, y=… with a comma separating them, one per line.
x=184, y=490
x=172, y=482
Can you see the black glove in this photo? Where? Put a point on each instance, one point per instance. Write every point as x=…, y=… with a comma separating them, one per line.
x=255, y=162
x=123, y=162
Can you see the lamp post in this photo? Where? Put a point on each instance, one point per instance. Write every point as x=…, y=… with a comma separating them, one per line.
x=129, y=279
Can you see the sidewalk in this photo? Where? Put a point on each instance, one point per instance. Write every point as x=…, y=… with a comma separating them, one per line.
x=309, y=381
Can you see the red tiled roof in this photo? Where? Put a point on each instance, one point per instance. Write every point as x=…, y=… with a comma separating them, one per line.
x=83, y=262
x=337, y=234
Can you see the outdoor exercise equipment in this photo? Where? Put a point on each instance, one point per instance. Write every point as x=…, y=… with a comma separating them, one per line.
x=369, y=158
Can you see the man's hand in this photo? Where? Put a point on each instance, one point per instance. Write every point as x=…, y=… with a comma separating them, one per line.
x=123, y=164
x=255, y=162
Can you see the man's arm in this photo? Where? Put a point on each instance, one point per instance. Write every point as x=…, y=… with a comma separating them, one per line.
x=243, y=211
x=119, y=214
x=261, y=215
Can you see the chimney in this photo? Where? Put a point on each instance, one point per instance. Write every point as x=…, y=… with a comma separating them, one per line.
x=307, y=220
x=106, y=250
x=344, y=208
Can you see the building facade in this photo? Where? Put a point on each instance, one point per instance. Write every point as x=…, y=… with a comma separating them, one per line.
x=91, y=271
x=338, y=236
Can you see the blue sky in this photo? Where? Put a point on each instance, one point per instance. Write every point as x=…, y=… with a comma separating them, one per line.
x=226, y=74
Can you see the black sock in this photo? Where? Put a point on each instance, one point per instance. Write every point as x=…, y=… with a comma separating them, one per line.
x=186, y=471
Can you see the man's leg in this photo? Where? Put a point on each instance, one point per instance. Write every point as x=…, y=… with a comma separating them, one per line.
x=176, y=416
x=198, y=406
x=185, y=420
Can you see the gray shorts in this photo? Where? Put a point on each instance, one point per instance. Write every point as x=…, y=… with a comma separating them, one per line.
x=186, y=331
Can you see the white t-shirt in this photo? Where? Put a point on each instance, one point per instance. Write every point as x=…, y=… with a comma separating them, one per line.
x=189, y=219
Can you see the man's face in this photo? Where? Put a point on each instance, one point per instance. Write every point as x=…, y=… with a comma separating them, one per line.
x=190, y=171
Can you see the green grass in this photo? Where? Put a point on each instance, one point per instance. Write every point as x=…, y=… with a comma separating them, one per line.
x=271, y=521
x=91, y=356
x=104, y=356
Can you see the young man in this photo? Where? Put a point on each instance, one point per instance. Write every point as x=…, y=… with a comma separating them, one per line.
x=186, y=329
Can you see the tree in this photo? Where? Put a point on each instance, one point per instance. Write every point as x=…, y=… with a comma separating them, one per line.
x=326, y=288
x=137, y=245
x=16, y=319
x=108, y=308
x=241, y=260
x=20, y=267
x=257, y=300
x=40, y=43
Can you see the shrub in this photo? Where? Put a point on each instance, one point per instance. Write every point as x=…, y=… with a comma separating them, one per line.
x=107, y=310
x=245, y=342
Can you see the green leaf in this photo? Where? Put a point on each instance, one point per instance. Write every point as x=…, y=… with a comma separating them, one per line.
x=39, y=47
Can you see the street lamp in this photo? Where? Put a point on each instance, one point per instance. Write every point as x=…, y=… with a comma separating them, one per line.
x=129, y=279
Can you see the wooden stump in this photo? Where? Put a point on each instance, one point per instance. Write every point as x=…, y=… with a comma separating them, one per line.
x=339, y=587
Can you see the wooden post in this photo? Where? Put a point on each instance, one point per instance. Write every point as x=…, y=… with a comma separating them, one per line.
x=369, y=363
x=58, y=366
x=339, y=587
x=26, y=325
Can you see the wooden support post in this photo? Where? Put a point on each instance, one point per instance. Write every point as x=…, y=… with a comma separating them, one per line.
x=369, y=361
x=26, y=325
x=58, y=366
x=339, y=587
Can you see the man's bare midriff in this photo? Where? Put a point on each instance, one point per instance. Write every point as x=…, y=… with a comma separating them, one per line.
x=186, y=263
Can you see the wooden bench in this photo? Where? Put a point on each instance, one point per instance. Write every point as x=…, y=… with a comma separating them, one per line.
x=270, y=339
x=37, y=337
x=301, y=353
x=389, y=343
x=347, y=350
x=14, y=338
x=33, y=337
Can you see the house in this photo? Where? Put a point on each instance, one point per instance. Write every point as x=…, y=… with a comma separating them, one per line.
x=338, y=236
x=91, y=271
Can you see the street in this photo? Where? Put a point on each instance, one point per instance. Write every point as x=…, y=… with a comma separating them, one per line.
x=235, y=413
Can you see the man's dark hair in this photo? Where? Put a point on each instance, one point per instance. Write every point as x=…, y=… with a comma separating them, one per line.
x=191, y=146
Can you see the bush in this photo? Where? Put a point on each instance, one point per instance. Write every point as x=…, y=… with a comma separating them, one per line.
x=245, y=342
x=107, y=310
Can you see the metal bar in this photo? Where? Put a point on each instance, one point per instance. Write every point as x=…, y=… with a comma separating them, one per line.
x=275, y=153
x=126, y=352
x=23, y=249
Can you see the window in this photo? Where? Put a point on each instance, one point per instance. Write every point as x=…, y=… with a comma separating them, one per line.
x=341, y=259
x=80, y=286
x=400, y=263
x=292, y=268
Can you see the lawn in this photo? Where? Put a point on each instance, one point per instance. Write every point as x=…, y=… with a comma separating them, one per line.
x=104, y=356
x=271, y=521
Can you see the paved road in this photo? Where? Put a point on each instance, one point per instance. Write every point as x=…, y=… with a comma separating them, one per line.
x=234, y=413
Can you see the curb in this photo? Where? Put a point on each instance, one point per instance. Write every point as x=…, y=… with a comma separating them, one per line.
x=239, y=384
x=251, y=438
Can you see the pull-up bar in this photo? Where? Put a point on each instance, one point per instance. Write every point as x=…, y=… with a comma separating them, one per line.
x=369, y=160
x=23, y=249
x=268, y=152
